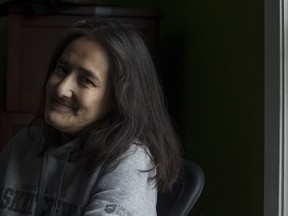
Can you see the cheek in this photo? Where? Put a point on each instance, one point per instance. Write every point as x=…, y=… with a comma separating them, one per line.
x=52, y=83
x=49, y=84
x=98, y=106
x=47, y=90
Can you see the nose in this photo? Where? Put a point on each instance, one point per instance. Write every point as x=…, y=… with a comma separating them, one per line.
x=66, y=87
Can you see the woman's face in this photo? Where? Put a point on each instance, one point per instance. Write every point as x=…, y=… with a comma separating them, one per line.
x=78, y=90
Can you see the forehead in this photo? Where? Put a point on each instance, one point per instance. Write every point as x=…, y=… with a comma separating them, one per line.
x=86, y=53
x=85, y=47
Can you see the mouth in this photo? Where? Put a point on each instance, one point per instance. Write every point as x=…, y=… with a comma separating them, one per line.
x=63, y=105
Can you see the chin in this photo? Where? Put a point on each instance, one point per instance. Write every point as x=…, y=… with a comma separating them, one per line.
x=60, y=126
x=53, y=121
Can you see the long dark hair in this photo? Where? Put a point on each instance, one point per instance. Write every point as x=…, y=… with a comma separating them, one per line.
x=138, y=110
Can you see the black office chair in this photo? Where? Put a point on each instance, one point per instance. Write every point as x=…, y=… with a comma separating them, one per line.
x=184, y=193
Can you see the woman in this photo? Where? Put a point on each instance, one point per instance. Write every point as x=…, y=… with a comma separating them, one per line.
x=105, y=144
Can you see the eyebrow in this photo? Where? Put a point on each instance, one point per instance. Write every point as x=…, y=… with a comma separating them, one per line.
x=84, y=71
x=62, y=60
x=89, y=74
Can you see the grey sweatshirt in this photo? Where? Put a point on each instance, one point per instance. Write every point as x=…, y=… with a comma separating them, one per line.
x=57, y=183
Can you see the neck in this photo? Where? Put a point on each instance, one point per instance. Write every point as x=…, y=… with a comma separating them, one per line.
x=65, y=138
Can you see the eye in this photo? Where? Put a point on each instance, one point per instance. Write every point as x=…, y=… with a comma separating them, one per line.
x=87, y=82
x=61, y=69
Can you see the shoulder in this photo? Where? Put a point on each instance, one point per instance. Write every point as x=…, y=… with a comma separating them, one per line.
x=136, y=162
x=127, y=186
x=28, y=132
x=29, y=137
x=137, y=156
x=133, y=169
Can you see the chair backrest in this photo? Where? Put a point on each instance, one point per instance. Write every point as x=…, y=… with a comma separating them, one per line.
x=185, y=192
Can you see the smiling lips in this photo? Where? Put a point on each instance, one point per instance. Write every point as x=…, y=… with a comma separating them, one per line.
x=63, y=105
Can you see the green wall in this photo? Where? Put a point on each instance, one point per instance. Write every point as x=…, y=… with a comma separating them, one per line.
x=224, y=103
x=221, y=69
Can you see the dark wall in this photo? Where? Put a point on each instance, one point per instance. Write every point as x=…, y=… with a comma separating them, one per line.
x=224, y=103
x=3, y=27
